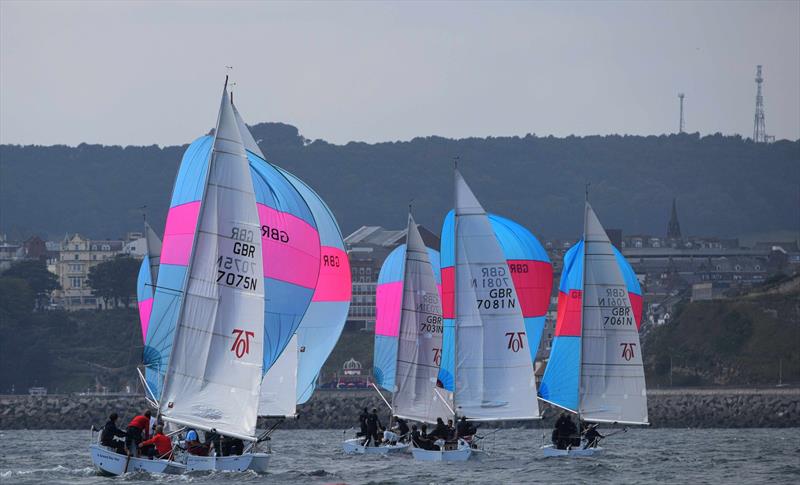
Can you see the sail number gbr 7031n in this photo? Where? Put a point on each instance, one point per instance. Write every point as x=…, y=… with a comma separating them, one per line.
x=239, y=270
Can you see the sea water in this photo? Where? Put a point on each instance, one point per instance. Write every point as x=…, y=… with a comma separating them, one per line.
x=717, y=456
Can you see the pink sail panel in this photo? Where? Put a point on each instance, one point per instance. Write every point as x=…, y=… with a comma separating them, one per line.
x=297, y=263
x=568, y=320
x=389, y=298
x=533, y=281
x=179, y=233
x=448, y=292
x=333, y=283
x=637, y=304
x=145, y=307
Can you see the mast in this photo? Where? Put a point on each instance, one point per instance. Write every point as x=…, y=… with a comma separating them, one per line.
x=583, y=302
x=455, y=291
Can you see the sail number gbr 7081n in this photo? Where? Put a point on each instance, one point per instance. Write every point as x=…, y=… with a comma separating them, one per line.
x=239, y=270
x=495, y=289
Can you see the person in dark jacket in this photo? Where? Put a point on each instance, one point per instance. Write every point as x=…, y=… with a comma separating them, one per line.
x=464, y=428
x=109, y=432
x=362, y=421
x=441, y=431
x=213, y=441
x=592, y=436
x=137, y=432
x=373, y=423
x=402, y=428
x=419, y=439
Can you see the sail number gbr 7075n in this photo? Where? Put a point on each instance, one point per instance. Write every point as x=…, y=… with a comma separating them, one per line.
x=239, y=270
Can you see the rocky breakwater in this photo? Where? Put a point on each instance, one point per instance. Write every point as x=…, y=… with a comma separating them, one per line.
x=675, y=408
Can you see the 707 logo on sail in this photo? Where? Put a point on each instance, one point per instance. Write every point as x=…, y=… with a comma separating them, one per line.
x=241, y=345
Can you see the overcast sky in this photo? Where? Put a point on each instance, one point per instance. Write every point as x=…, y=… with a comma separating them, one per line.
x=146, y=72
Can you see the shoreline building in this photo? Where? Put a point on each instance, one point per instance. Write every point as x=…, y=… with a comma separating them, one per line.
x=76, y=256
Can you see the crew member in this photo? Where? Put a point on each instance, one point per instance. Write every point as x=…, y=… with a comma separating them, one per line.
x=402, y=428
x=193, y=444
x=109, y=432
x=592, y=436
x=465, y=429
x=137, y=432
x=362, y=421
x=159, y=445
x=441, y=431
x=373, y=423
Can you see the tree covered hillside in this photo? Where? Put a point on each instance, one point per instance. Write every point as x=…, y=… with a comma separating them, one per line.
x=724, y=185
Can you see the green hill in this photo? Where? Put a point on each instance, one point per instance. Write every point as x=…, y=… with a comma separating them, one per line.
x=729, y=342
x=725, y=186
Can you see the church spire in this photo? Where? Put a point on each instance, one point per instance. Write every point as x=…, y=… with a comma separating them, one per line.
x=674, y=227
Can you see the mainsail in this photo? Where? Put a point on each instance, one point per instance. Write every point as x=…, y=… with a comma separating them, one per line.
x=531, y=272
x=215, y=368
x=595, y=365
x=484, y=340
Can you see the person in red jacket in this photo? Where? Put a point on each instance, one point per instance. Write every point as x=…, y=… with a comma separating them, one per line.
x=161, y=443
x=137, y=432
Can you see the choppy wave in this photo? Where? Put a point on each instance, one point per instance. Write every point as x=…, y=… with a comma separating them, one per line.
x=639, y=456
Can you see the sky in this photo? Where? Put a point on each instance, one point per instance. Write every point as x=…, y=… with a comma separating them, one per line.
x=146, y=72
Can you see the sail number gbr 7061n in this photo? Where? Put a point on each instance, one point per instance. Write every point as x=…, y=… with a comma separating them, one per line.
x=615, y=302
x=239, y=270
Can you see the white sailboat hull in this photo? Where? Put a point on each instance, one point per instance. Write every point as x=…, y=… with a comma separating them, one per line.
x=256, y=462
x=462, y=453
x=108, y=462
x=354, y=447
x=551, y=451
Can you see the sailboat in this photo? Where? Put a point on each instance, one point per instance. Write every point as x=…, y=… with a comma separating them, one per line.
x=408, y=338
x=484, y=361
x=595, y=369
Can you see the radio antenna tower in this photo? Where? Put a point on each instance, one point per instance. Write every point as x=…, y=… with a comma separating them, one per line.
x=681, y=125
x=759, y=130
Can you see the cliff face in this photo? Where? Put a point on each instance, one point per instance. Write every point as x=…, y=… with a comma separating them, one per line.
x=675, y=408
x=747, y=341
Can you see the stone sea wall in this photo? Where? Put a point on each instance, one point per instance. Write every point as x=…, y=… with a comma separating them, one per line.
x=673, y=408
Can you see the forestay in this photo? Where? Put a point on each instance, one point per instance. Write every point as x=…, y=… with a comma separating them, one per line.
x=215, y=368
x=493, y=371
x=612, y=384
x=420, y=337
